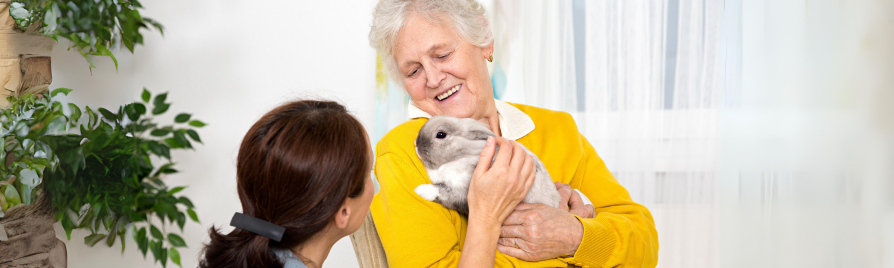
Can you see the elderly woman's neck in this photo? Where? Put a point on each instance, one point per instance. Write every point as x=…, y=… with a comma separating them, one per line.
x=493, y=122
x=491, y=117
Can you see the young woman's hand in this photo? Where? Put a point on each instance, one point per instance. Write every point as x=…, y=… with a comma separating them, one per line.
x=494, y=192
x=496, y=189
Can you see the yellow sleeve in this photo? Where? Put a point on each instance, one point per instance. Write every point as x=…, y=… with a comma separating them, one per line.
x=623, y=232
x=416, y=232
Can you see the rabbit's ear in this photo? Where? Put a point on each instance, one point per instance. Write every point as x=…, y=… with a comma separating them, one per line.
x=479, y=131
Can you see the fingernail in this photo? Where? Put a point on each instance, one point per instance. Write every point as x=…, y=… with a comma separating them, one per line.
x=490, y=141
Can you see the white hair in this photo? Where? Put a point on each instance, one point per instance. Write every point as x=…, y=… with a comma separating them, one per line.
x=389, y=16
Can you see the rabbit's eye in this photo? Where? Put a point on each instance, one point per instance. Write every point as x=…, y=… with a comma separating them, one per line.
x=441, y=135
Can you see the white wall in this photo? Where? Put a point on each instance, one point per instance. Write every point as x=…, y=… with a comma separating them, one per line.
x=227, y=63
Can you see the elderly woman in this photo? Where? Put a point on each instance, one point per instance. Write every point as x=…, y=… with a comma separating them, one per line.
x=437, y=49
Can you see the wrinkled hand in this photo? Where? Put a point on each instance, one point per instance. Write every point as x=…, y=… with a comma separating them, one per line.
x=497, y=188
x=572, y=202
x=541, y=232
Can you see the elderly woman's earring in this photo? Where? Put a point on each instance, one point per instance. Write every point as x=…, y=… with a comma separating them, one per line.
x=491, y=58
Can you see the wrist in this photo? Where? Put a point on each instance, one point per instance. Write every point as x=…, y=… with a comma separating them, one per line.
x=484, y=219
x=577, y=235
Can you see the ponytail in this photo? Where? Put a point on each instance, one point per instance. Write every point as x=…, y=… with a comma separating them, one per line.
x=239, y=248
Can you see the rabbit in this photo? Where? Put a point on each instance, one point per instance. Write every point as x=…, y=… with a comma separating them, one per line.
x=449, y=147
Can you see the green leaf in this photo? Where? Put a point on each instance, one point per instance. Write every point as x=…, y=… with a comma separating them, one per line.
x=159, y=132
x=121, y=236
x=157, y=26
x=131, y=112
x=99, y=209
x=193, y=135
x=91, y=240
x=102, y=50
x=160, y=99
x=192, y=215
x=176, y=190
x=87, y=219
x=181, y=220
x=182, y=118
x=165, y=151
x=164, y=256
x=108, y=221
x=139, y=108
x=142, y=240
x=185, y=201
x=113, y=229
x=75, y=112
x=156, y=233
x=155, y=246
x=164, y=169
x=91, y=116
x=108, y=115
x=175, y=256
x=146, y=95
x=96, y=223
x=196, y=123
x=164, y=208
x=173, y=143
x=67, y=225
x=160, y=108
x=144, y=246
x=141, y=234
x=176, y=240
x=159, y=149
x=110, y=241
x=60, y=90
x=180, y=137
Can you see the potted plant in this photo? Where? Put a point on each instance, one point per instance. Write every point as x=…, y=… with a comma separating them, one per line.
x=90, y=170
x=85, y=169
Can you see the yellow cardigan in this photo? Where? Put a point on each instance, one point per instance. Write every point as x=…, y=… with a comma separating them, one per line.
x=419, y=233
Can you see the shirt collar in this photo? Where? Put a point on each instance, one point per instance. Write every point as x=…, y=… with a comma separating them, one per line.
x=514, y=123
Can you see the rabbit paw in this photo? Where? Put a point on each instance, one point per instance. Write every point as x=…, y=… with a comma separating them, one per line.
x=427, y=191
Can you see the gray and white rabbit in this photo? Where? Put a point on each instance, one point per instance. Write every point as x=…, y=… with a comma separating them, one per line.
x=449, y=147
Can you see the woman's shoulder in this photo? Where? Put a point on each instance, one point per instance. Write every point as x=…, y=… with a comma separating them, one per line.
x=401, y=138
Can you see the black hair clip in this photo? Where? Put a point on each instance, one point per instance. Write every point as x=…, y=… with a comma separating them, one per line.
x=257, y=226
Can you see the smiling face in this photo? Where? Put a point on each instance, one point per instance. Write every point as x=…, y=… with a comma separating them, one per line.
x=442, y=73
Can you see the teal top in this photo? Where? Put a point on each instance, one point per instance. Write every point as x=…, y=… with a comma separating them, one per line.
x=288, y=258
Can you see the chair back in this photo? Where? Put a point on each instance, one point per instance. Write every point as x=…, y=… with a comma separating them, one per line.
x=368, y=246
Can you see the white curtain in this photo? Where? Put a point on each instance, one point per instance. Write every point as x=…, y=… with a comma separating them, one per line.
x=806, y=133
x=759, y=133
x=649, y=101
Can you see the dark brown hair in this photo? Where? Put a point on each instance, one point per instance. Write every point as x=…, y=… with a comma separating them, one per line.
x=296, y=167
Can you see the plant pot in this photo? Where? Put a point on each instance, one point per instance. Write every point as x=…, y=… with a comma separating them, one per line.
x=28, y=239
x=27, y=236
x=24, y=58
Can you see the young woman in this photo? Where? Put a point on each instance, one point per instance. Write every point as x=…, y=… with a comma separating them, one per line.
x=303, y=177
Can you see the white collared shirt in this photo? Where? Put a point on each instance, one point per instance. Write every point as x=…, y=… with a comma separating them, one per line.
x=514, y=123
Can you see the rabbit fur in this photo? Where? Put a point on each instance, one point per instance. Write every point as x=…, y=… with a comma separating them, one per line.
x=449, y=147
